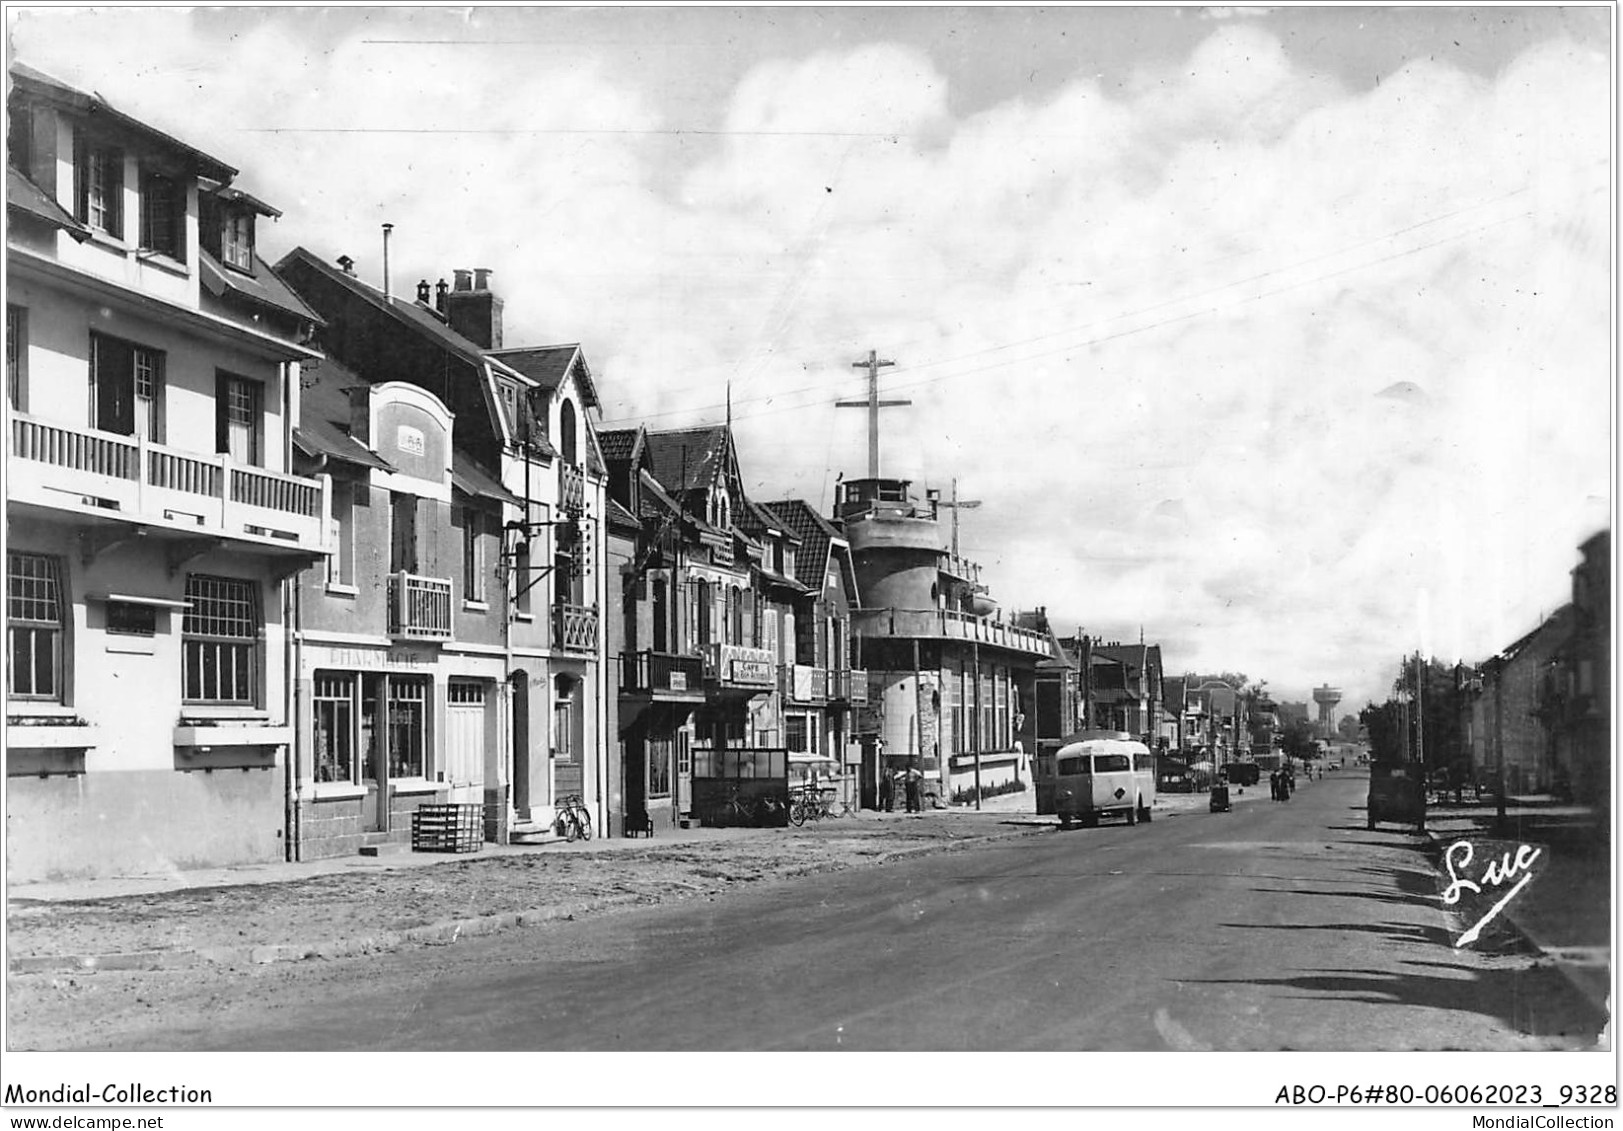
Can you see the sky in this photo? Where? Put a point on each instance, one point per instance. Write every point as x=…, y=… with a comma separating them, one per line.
x=1278, y=335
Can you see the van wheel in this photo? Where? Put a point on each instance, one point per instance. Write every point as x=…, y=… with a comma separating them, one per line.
x=1090, y=821
x=1145, y=815
x=1132, y=816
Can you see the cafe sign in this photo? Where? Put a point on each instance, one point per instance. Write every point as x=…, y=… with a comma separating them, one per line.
x=752, y=671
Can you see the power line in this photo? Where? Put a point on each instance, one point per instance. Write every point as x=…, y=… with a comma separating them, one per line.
x=1219, y=288
x=1125, y=333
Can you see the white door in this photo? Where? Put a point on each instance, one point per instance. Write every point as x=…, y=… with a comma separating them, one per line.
x=465, y=742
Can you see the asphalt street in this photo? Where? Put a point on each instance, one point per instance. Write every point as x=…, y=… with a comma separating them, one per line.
x=1275, y=926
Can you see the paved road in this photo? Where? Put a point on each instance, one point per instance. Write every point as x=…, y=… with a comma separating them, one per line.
x=1276, y=926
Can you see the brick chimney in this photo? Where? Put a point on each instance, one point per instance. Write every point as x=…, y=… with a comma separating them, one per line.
x=473, y=310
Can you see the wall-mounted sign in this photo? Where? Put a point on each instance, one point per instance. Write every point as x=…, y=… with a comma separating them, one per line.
x=752, y=671
x=679, y=681
x=409, y=439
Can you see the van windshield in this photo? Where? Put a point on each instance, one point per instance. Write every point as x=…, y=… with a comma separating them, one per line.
x=1111, y=763
x=1069, y=767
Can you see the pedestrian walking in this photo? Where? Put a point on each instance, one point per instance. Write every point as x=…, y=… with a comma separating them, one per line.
x=887, y=791
x=912, y=792
x=1273, y=785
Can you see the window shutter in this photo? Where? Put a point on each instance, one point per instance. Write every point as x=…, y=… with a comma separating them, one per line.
x=222, y=414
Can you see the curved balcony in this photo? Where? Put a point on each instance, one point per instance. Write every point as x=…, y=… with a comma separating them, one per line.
x=944, y=624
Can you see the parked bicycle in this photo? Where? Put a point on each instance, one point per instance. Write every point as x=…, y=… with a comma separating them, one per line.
x=574, y=822
x=808, y=805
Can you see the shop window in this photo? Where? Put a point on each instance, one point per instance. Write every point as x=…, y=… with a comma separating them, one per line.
x=34, y=634
x=220, y=640
x=333, y=730
x=659, y=767
x=408, y=703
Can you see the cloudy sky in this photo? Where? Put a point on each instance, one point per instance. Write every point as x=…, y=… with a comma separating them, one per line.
x=1281, y=334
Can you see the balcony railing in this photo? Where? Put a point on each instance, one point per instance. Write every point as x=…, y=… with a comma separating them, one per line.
x=948, y=625
x=653, y=673
x=571, y=488
x=574, y=628
x=52, y=464
x=419, y=607
x=736, y=665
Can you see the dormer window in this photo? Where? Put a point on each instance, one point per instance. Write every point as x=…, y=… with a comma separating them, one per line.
x=237, y=239
x=98, y=171
x=163, y=214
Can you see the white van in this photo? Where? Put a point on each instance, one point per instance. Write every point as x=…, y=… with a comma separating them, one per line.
x=1104, y=777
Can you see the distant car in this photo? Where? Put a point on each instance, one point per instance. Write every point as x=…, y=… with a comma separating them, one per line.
x=1332, y=767
x=1397, y=793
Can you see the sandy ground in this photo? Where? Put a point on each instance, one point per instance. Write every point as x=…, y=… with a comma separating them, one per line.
x=176, y=951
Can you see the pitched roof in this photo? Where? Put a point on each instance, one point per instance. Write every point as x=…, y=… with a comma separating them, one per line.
x=40, y=84
x=471, y=479
x=323, y=428
x=620, y=517
x=27, y=197
x=548, y=366
x=263, y=287
x=410, y=314
x=619, y=444
x=816, y=534
x=688, y=457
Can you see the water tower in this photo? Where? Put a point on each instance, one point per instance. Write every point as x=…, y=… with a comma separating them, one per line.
x=1327, y=697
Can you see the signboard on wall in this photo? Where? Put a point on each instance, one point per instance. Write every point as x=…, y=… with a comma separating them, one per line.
x=752, y=671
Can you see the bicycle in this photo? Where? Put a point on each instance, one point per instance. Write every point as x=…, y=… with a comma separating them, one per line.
x=738, y=811
x=807, y=805
x=574, y=820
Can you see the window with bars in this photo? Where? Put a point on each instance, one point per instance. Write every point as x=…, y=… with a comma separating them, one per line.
x=17, y=357
x=163, y=214
x=220, y=640
x=333, y=730
x=408, y=712
x=99, y=180
x=34, y=626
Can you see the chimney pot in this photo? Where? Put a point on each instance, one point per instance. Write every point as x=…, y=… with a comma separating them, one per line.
x=441, y=289
x=464, y=279
x=346, y=264
x=481, y=278
x=423, y=291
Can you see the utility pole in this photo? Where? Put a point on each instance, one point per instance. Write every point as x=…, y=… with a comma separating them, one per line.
x=873, y=404
x=957, y=505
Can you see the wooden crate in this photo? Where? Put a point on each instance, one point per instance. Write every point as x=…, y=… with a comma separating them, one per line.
x=447, y=828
